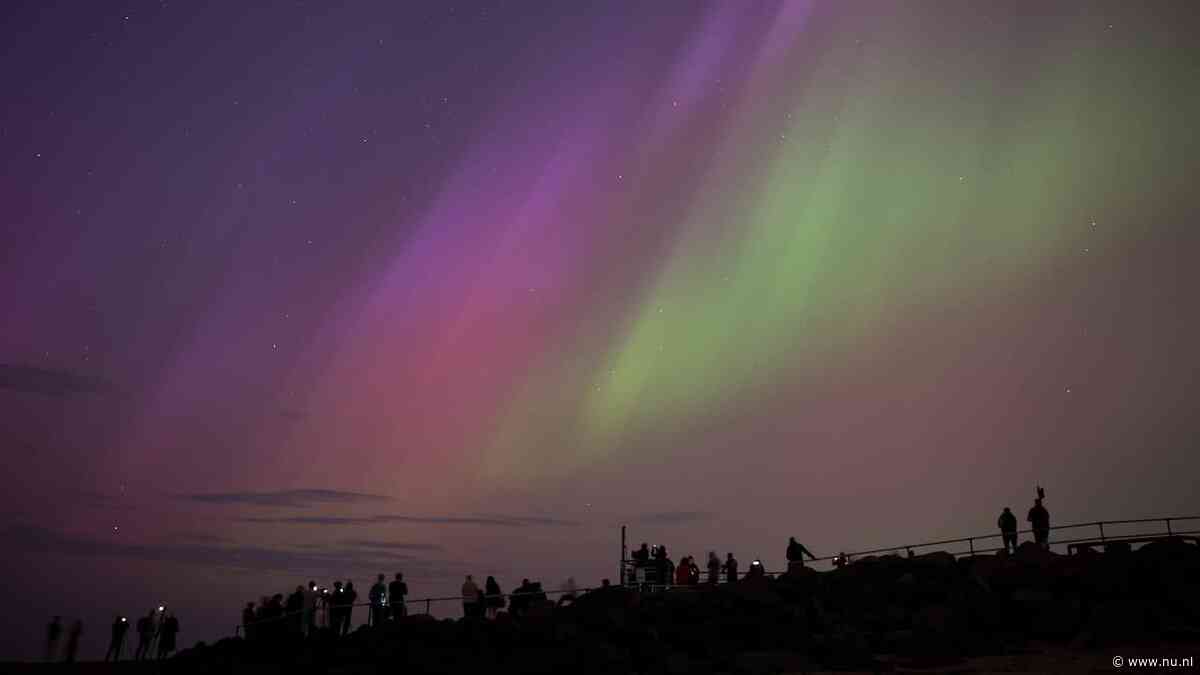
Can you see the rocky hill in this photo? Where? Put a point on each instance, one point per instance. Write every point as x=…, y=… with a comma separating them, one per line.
x=875, y=614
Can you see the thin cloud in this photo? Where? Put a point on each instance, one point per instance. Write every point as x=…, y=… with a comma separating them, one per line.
x=288, y=498
x=48, y=382
x=391, y=545
x=675, y=517
x=328, y=562
x=493, y=521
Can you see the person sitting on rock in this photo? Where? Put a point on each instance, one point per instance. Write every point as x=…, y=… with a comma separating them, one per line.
x=1008, y=530
x=1039, y=518
x=795, y=554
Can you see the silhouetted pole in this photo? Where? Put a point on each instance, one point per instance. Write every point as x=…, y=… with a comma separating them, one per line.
x=621, y=573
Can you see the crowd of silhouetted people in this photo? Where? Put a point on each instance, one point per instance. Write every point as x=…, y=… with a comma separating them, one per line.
x=1038, y=519
x=54, y=633
x=156, y=637
x=311, y=608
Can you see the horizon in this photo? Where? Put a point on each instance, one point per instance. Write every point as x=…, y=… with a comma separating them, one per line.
x=300, y=292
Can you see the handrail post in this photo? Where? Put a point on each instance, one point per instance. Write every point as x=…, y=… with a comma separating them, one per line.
x=1101, y=526
x=1169, y=533
x=427, y=602
x=971, y=541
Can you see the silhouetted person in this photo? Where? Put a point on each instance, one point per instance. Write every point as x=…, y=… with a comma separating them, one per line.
x=379, y=598
x=336, y=607
x=569, y=591
x=681, y=572
x=795, y=554
x=731, y=569
x=493, y=597
x=756, y=570
x=312, y=597
x=714, y=568
x=274, y=624
x=470, y=596
x=641, y=566
x=119, y=627
x=536, y=594
x=1039, y=519
x=348, y=610
x=693, y=572
x=53, y=633
x=841, y=559
x=1008, y=530
x=73, y=641
x=397, y=591
x=521, y=597
x=642, y=555
x=166, y=638
x=249, y=616
x=145, y=630
x=295, y=610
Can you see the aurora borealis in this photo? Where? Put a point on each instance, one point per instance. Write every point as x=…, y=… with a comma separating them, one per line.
x=307, y=290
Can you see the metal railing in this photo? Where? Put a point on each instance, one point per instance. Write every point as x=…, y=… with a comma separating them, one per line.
x=1170, y=529
x=1099, y=525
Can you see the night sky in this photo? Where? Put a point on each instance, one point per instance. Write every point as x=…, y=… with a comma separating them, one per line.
x=296, y=290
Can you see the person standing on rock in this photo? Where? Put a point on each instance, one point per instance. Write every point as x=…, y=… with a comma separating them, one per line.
x=116, y=645
x=166, y=641
x=569, y=592
x=681, y=572
x=145, y=630
x=731, y=565
x=73, y=641
x=53, y=632
x=470, y=596
x=1039, y=519
x=795, y=554
x=397, y=590
x=348, y=611
x=493, y=597
x=379, y=598
x=1008, y=530
x=714, y=568
x=336, y=607
x=641, y=557
x=248, y=619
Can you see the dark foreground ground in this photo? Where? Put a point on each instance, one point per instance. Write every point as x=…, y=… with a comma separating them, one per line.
x=1032, y=612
